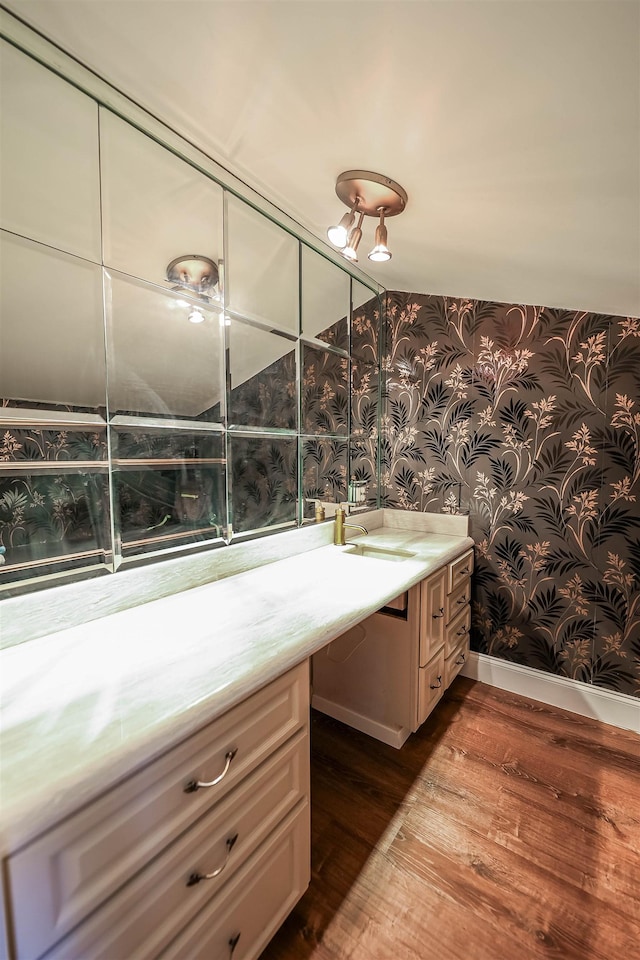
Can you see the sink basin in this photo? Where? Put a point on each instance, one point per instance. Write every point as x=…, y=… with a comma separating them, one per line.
x=378, y=553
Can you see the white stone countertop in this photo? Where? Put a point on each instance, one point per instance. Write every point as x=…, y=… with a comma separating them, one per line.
x=83, y=707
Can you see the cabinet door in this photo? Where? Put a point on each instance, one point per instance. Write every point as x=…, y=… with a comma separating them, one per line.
x=432, y=614
x=431, y=685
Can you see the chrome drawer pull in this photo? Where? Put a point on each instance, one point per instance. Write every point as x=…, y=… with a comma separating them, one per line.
x=461, y=601
x=194, y=785
x=434, y=686
x=197, y=877
x=461, y=633
x=436, y=616
x=233, y=943
x=461, y=659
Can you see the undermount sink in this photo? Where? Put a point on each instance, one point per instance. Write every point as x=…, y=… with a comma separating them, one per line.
x=378, y=553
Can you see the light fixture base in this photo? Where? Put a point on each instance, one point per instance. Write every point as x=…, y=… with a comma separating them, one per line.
x=372, y=191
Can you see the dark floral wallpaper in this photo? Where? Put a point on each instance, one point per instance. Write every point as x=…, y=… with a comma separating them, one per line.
x=528, y=419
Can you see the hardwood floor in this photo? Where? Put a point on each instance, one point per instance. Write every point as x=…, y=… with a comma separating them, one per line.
x=503, y=829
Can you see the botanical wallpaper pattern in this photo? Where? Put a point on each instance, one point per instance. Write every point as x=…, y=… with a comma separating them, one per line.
x=528, y=419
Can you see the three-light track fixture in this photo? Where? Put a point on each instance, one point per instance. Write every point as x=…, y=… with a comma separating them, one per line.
x=366, y=194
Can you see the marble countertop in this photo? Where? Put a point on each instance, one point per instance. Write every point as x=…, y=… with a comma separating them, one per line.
x=83, y=707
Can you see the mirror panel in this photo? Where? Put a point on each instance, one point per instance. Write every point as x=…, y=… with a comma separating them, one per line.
x=324, y=471
x=262, y=378
x=365, y=406
x=325, y=300
x=261, y=277
x=160, y=363
x=51, y=327
x=169, y=488
x=264, y=481
x=325, y=388
x=54, y=499
x=156, y=207
x=50, y=187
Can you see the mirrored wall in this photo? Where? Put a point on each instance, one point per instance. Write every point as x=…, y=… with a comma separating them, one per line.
x=177, y=369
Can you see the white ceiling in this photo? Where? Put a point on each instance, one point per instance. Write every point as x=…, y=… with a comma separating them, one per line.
x=514, y=126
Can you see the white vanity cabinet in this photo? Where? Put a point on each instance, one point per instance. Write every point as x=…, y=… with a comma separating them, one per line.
x=387, y=674
x=165, y=848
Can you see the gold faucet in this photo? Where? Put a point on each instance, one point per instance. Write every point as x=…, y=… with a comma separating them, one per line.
x=338, y=530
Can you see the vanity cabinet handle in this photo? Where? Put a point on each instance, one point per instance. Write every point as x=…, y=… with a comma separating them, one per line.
x=461, y=600
x=461, y=633
x=466, y=571
x=197, y=877
x=436, y=616
x=194, y=785
x=461, y=659
x=434, y=686
x=233, y=943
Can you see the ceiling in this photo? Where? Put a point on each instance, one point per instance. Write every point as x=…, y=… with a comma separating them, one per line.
x=514, y=126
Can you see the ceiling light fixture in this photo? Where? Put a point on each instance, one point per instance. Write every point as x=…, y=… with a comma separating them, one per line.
x=339, y=234
x=370, y=195
x=355, y=236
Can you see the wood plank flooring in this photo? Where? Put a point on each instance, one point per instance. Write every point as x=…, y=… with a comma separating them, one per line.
x=503, y=829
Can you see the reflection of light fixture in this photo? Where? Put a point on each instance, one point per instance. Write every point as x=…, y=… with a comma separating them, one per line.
x=196, y=316
x=370, y=195
x=194, y=273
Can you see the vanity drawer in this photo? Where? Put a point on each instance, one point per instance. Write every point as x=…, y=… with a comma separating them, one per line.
x=457, y=599
x=454, y=663
x=57, y=880
x=460, y=569
x=430, y=685
x=150, y=910
x=251, y=907
x=456, y=631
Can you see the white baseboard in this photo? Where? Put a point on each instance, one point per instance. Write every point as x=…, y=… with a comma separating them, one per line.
x=588, y=701
x=394, y=736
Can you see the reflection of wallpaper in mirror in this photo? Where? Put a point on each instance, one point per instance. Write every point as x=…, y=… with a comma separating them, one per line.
x=169, y=488
x=324, y=469
x=264, y=472
x=324, y=391
x=54, y=500
x=365, y=389
x=268, y=399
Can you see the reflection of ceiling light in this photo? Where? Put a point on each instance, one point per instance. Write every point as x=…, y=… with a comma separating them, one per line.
x=370, y=195
x=196, y=316
x=225, y=321
x=193, y=273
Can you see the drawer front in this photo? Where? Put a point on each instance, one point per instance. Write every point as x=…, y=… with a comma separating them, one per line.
x=433, y=591
x=454, y=663
x=57, y=880
x=158, y=903
x=457, y=599
x=460, y=569
x=251, y=907
x=430, y=685
x=457, y=631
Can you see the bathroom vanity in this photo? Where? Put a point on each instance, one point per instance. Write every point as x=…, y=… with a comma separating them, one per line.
x=156, y=760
